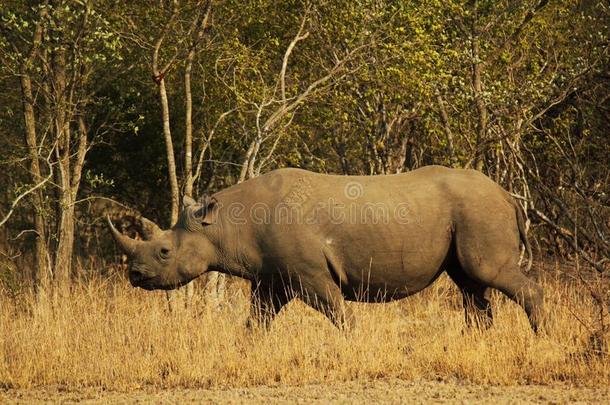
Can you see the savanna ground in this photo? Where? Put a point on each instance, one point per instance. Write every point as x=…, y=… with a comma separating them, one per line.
x=105, y=341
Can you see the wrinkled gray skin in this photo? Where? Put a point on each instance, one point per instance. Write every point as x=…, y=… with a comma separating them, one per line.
x=327, y=239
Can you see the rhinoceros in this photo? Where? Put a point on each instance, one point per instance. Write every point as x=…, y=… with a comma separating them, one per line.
x=330, y=238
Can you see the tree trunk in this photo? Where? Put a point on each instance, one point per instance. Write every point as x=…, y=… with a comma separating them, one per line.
x=188, y=148
x=188, y=127
x=65, y=245
x=169, y=148
x=214, y=289
x=41, y=272
x=65, y=203
x=171, y=167
x=477, y=87
x=447, y=130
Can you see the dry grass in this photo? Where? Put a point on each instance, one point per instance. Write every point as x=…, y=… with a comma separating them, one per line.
x=107, y=334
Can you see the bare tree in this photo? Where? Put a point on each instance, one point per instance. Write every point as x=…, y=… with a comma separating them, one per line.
x=477, y=90
x=68, y=74
x=159, y=73
x=31, y=142
x=275, y=111
x=177, y=50
x=56, y=98
x=200, y=23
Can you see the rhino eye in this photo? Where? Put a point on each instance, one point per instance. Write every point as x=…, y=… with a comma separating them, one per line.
x=164, y=253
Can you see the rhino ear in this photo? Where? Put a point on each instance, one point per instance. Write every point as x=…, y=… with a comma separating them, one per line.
x=207, y=212
x=188, y=201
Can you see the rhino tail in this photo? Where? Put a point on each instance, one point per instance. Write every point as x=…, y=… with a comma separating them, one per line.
x=523, y=235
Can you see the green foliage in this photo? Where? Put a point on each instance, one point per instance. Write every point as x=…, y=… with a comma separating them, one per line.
x=543, y=72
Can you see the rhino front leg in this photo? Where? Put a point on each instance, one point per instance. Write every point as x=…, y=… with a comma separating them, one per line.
x=266, y=303
x=477, y=308
x=326, y=297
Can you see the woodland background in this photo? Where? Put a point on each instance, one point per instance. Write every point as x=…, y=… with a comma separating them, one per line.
x=121, y=107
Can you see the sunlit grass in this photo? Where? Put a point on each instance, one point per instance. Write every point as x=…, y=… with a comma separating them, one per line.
x=110, y=335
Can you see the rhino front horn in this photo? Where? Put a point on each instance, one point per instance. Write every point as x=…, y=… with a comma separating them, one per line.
x=126, y=243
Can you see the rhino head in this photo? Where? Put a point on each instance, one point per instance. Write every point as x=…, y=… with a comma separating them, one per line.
x=168, y=259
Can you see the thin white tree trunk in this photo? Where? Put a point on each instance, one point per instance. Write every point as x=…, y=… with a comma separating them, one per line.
x=169, y=149
x=65, y=204
x=477, y=86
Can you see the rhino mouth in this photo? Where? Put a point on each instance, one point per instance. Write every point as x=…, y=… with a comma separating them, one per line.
x=145, y=286
x=151, y=283
x=145, y=283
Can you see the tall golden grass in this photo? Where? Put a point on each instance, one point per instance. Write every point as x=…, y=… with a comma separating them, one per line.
x=108, y=334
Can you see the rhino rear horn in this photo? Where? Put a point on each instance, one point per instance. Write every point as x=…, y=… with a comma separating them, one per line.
x=126, y=243
x=188, y=201
x=149, y=229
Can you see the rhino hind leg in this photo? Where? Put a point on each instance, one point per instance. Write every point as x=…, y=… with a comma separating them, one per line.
x=477, y=308
x=523, y=291
x=488, y=253
x=509, y=280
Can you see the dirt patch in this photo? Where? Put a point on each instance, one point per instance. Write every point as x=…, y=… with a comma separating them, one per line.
x=384, y=391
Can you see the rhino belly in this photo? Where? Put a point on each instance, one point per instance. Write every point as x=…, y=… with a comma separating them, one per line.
x=381, y=275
